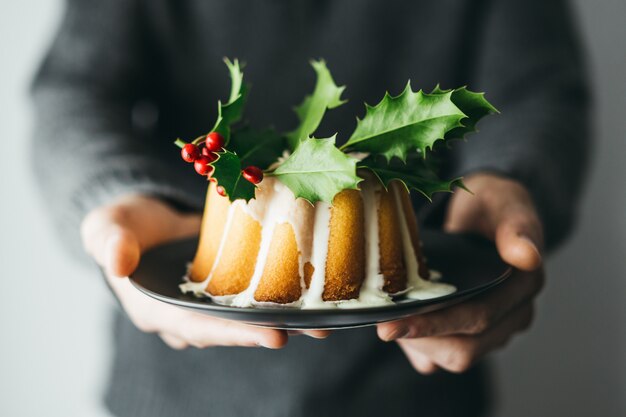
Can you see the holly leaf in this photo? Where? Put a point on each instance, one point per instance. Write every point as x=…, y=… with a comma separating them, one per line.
x=260, y=148
x=227, y=172
x=326, y=95
x=409, y=121
x=232, y=111
x=317, y=170
x=414, y=175
x=474, y=105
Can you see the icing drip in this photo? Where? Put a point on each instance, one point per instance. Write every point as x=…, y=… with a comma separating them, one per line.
x=419, y=289
x=301, y=218
x=321, y=231
x=246, y=298
x=198, y=288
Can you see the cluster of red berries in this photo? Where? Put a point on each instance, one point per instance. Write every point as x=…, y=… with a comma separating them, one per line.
x=202, y=156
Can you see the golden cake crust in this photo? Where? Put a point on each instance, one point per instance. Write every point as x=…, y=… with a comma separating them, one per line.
x=280, y=282
x=390, y=245
x=211, y=231
x=345, y=263
x=236, y=265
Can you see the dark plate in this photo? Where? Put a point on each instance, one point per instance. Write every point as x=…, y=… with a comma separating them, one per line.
x=468, y=262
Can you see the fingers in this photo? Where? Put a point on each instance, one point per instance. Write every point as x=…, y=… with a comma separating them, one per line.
x=179, y=328
x=473, y=317
x=206, y=333
x=202, y=331
x=518, y=237
x=121, y=251
x=173, y=341
x=420, y=362
x=115, y=235
x=458, y=353
x=501, y=210
x=316, y=334
x=112, y=244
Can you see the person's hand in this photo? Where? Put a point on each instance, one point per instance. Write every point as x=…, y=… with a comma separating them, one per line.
x=456, y=337
x=117, y=234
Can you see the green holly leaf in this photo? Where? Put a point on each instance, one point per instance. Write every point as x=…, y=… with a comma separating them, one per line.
x=474, y=105
x=326, y=95
x=260, y=148
x=410, y=121
x=317, y=170
x=227, y=172
x=232, y=111
x=416, y=175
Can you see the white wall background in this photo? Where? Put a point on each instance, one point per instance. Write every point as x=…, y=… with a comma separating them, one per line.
x=54, y=348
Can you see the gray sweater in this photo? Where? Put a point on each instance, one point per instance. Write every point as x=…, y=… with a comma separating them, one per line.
x=123, y=78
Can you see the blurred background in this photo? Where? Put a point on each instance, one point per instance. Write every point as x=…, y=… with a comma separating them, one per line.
x=55, y=340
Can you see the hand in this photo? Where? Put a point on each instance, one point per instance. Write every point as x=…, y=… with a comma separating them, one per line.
x=456, y=337
x=117, y=234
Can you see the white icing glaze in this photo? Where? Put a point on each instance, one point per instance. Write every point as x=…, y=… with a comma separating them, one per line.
x=435, y=275
x=427, y=290
x=246, y=298
x=372, y=289
x=312, y=297
x=418, y=288
x=275, y=204
x=199, y=288
x=282, y=158
x=302, y=219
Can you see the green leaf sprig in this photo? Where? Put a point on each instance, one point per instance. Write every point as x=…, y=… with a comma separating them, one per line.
x=396, y=136
x=325, y=96
x=317, y=170
x=230, y=112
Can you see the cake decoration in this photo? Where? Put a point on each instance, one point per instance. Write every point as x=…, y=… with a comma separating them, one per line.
x=295, y=221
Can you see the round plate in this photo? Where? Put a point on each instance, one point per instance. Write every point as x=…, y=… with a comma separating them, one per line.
x=468, y=262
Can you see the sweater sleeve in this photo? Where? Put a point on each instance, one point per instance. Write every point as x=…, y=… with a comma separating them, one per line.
x=85, y=94
x=529, y=62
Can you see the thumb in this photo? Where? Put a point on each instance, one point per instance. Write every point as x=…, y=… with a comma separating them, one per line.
x=116, y=234
x=518, y=237
x=112, y=244
x=502, y=210
x=121, y=252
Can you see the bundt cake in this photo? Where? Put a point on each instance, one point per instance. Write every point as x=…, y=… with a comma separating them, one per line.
x=278, y=249
x=293, y=220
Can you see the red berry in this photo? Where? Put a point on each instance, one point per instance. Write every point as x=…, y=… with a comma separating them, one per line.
x=214, y=141
x=201, y=165
x=211, y=155
x=220, y=190
x=253, y=174
x=190, y=152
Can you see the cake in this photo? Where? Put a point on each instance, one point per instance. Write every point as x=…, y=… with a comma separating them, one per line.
x=277, y=249
x=295, y=221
